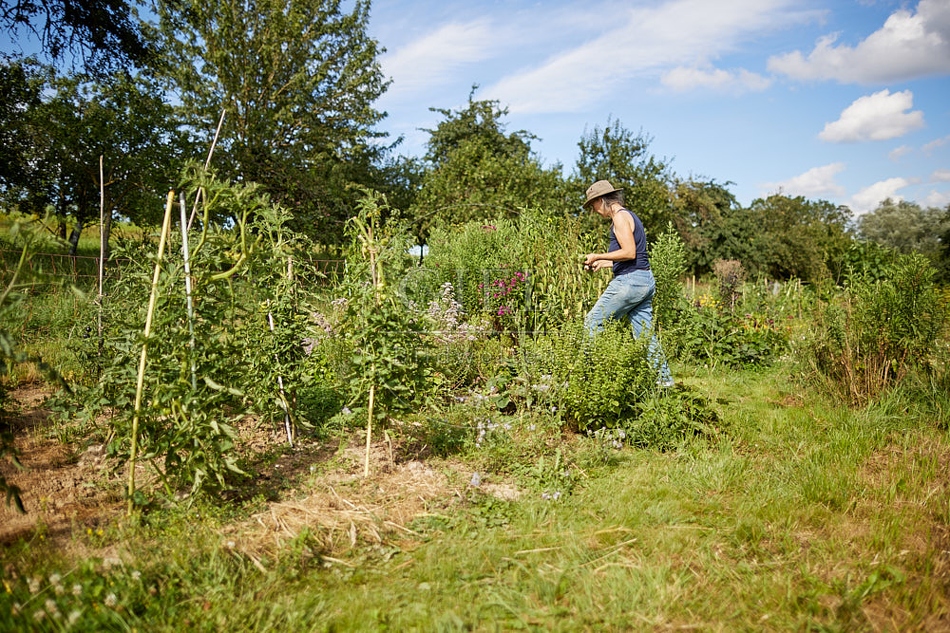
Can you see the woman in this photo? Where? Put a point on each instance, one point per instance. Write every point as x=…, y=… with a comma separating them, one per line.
x=630, y=293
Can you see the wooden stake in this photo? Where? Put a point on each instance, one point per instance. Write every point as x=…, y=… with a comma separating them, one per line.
x=369, y=429
x=372, y=388
x=140, y=382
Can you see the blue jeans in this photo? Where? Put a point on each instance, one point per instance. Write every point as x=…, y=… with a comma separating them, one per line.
x=630, y=296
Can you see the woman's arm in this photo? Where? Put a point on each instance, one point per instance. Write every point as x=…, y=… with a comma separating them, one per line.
x=623, y=229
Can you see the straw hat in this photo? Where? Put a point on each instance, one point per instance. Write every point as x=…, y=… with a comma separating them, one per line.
x=598, y=189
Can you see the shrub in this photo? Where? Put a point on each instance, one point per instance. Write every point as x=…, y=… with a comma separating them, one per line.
x=522, y=274
x=596, y=382
x=668, y=261
x=666, y=421
x=731, y=275
x=878, y=331
x=704, y=333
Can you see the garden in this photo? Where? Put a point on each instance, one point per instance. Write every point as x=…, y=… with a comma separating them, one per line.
x=228, y=426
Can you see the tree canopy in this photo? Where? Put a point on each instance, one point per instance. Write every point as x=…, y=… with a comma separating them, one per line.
x=297, y=80
x=615, y=153
x=904, y=226
x=476, y=170
x=104, y=34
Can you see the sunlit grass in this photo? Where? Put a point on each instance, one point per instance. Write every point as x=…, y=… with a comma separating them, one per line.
x=803, y=516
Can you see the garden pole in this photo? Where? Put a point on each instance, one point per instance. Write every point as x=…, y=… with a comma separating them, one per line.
x=280, y=385
x=214, y=142
x=372, y=385
x=140, y=382
x=102, y=251
x=369, y=429
x=188, y=301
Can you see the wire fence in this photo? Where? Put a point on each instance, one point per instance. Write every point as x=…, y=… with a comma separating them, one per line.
x=83, y=270
x=46, y=268
x=68, y=285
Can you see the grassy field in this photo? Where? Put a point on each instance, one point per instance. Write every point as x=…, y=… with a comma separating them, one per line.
x=482, y=510
x=802, y=515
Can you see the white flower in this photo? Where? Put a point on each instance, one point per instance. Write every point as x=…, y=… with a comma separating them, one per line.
x=476, y=480
x=54, y=579
x=136, y=575
x=110, y=600
x=39, y=615
x=51, y=607
x=74, y=616
x=77, y=590
x=35, y=584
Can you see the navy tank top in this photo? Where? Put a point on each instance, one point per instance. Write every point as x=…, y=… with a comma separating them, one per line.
x=642, y=262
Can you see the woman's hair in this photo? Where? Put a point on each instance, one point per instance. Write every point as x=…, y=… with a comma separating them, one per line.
x=613, y=196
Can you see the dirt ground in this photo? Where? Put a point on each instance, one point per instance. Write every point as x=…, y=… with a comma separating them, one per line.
x=321, y=488
x=63, y=488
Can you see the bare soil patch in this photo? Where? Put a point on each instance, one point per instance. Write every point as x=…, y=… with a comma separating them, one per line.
x=63, y=488
x=315, y=488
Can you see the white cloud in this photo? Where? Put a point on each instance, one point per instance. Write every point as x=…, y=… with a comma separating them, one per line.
x=439, y=55
x=941, y=175
x=932, y=145
x=640, y=41
x=876, y=117
x=870, y=197
x=936, y=199
x=815, y=183
x=683, y=79
x=909, y=45
x=899, y=152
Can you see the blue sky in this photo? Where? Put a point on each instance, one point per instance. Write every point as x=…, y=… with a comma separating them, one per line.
x=845, y=100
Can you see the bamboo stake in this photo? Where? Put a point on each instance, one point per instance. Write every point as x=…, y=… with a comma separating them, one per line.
x=214, y=142
x=372, y=387
x=140, y=382
x=188, y=301
x=369, y=429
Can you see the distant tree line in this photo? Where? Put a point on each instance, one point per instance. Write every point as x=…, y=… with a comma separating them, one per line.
x=296, y=82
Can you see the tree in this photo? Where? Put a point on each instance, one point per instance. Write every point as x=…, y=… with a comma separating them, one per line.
x=123, y=119
x=714, y=226
x=297, y=80
x=943, y=256
x=478, y=171
x=799, y=238
x=905, y=227
x=614, y=153
x=20, y=88
x=103, y=33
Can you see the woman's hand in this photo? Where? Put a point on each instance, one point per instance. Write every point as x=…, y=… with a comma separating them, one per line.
x=591, y=262
x=591, y=259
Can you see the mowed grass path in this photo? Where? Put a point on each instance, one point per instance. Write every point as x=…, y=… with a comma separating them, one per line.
x=803, y=516
x=808, y=517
